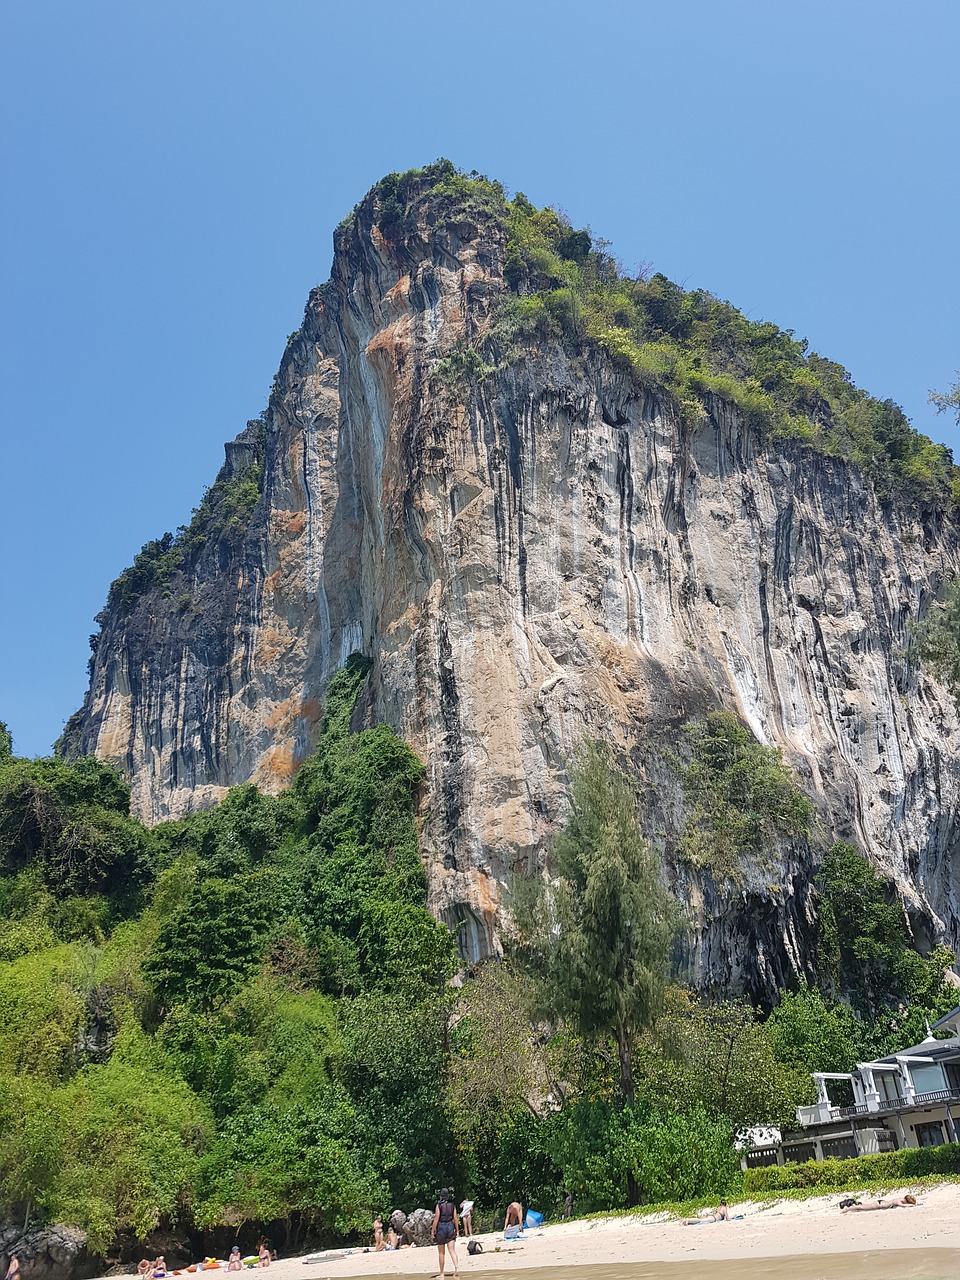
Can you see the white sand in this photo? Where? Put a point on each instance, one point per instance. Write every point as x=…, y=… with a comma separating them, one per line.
x=774, y=1229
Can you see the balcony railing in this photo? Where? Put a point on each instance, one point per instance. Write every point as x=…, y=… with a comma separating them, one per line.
x=897, y=1104
x=939, y=1095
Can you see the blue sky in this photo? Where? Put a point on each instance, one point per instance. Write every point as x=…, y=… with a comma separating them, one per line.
x=173, y=173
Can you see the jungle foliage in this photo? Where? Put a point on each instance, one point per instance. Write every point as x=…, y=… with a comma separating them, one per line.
x=244, y=1019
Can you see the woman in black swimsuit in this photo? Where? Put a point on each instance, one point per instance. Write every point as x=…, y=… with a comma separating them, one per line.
x=445, y=1227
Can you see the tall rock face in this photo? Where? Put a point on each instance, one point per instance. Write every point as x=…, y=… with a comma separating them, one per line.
x=532, y=553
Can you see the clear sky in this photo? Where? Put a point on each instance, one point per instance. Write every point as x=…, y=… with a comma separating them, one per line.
x=173, y=171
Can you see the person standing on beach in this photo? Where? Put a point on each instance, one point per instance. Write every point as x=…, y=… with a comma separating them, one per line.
x=446, y=1226
x=13, y=1267
x=466, y=1217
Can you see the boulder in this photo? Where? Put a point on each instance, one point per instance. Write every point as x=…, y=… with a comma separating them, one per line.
x=418, y=1227
x=48, y=1253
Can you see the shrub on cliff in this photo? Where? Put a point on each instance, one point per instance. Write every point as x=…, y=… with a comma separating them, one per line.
x=743, y=797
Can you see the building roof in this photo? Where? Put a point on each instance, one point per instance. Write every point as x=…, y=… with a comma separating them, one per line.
x=933, y=1049
x=949, y=1019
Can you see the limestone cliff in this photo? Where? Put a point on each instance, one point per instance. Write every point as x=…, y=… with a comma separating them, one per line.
x=532, y=547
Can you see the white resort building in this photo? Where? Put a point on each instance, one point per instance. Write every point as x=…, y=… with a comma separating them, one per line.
x=909, y=1099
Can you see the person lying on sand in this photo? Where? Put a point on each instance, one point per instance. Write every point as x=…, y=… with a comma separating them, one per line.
x=891, y=1202
x=722, y=1214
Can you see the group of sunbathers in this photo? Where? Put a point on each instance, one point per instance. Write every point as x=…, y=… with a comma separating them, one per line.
x=158, y=1269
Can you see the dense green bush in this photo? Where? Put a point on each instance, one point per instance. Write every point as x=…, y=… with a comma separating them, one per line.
x=611, y=1157
x=846, y=1175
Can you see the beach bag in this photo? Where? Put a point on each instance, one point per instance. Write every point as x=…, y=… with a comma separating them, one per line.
x=474, y=1246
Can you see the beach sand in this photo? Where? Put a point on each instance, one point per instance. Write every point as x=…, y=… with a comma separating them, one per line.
x=778, y=1240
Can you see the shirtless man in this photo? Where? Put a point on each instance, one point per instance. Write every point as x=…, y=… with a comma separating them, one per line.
x=514, y=1215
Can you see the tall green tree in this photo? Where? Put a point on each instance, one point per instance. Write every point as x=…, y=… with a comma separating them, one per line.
x=601, y=934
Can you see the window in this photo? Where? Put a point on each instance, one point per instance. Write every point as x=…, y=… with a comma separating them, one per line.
x=930, y=1135
x=839, y=1148
x=888, y=1086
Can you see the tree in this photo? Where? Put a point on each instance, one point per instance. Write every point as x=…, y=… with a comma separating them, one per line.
x=945, y=401
x=601, y=934
x=73, y=821
x=812, y=1034
x=500, y=1060
x=863, y=933
x=717, y=1056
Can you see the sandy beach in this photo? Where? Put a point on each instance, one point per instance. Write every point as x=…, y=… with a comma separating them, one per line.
x=777, y=1240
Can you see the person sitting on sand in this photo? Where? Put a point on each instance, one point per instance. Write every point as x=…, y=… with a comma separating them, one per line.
x=891, y=1202
x=379, y=1244
x=514, y=1215
x=722, y=1214
x=263, y=1253
x=144, y=1267
x=235, y=1262
x=159, y=1268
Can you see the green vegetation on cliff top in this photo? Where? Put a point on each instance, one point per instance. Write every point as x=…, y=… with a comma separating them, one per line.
x=689, y=345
